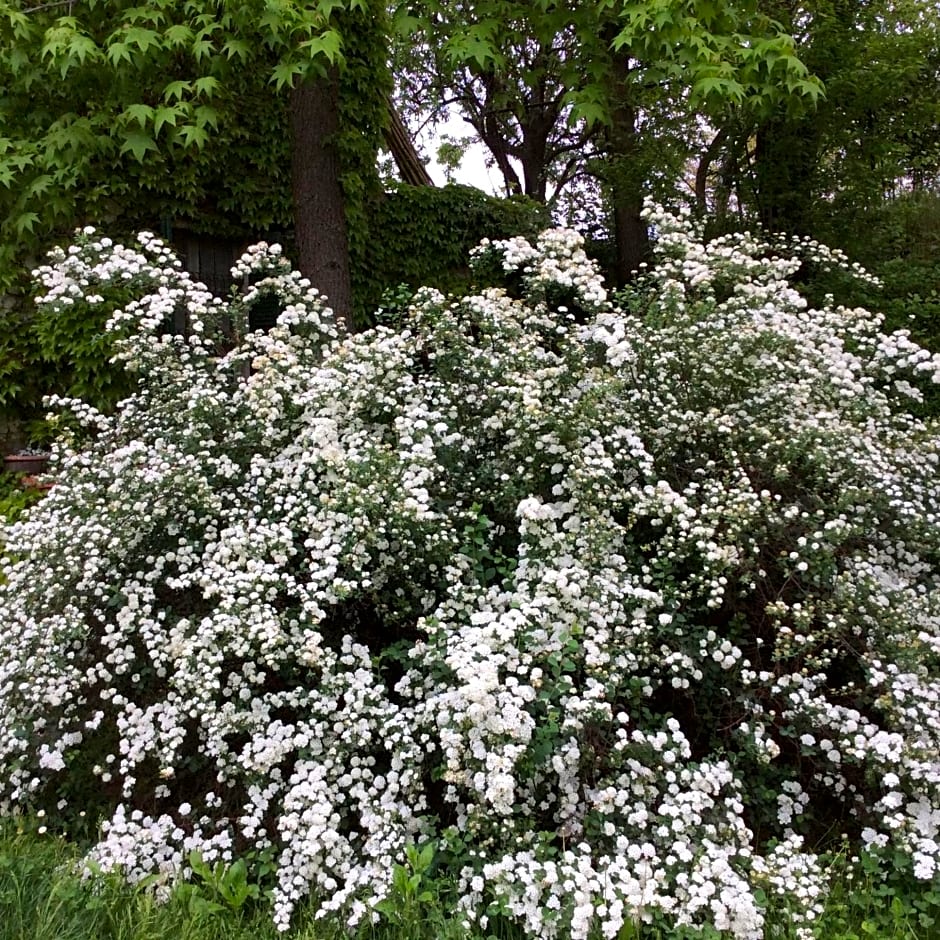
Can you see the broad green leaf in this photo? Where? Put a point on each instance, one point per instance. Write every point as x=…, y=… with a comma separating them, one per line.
x=326, y=7
x=285, y=72
x=237, y=49
x=206, y=116
x=164, y=116
x=39, y=185
x=714, y=88
x=84, y=47
x=118, y=52
x=179, y=34
x=142, y=38
x=176, y=90
x=25, y=222
x=193, y=135
x=141, y=113
x=203, y=48
x=404, y=22
x=138, y=143
x=206, y=85
x=329, y=44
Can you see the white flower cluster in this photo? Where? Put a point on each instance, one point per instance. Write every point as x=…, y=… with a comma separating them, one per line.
x=555, y=265
x=624, y=610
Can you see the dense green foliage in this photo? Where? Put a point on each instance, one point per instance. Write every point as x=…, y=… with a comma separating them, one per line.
x=899, y=242
x=15, y=498
x=421, y=236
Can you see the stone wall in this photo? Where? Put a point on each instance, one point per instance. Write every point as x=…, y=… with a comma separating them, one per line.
x=12, y=435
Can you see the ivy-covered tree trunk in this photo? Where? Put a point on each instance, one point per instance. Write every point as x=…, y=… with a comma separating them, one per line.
x=626, y=178
x=319, y=204
x=786, y=158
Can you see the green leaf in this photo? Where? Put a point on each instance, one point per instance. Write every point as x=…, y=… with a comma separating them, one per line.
x=480, y=51
x=178, y=35
x=400, y=881
x=118, y=52
x=198, y=864
x=138, y=143
x=426, y=857
x=202, y=49
x=237, y=49
x=712, y=88
x=193, y=135
x=83, y=47
x=328, y=44
x=143, y=38
x=176, y=90
x=285, y=72
x=25, y=222
x=164, y=116
x=141, y=113
x=39, y=185
x=404, y=23
x=206, y=85
x=591, y=112
x=206, y=116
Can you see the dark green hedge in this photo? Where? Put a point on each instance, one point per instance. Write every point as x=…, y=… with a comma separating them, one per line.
x=421, y=235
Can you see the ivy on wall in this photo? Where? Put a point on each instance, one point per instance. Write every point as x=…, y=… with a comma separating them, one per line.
x=421, y=235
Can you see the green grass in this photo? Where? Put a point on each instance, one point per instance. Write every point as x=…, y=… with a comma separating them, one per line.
x=42, y=898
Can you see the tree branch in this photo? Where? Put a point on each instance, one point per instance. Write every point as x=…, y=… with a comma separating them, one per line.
x=49, y=6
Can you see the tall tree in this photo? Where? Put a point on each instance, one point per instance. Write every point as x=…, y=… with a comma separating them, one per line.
x=532, y=77
x=97, y=94
x=507, y=67
x=877, y=132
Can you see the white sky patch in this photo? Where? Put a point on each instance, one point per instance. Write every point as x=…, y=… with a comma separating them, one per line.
x=473, y=170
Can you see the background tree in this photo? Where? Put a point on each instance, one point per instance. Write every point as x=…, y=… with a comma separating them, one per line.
x=554, y=86
x=507, y=68
x=876, y=134
x=862, y=172
x=110, y=109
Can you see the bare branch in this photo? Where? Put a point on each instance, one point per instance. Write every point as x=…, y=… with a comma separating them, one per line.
x=50, y=6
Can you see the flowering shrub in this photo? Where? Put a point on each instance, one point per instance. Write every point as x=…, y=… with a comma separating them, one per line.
x=623, y=610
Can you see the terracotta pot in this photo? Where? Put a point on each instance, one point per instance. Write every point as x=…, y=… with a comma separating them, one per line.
x=35, y=483
x=25, y=463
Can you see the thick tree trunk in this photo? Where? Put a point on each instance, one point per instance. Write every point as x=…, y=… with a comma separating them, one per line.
x=626, y=180
x=630, y=231
x=534, y=155
x=319, y=205
x=786, y=160
x=403, y=151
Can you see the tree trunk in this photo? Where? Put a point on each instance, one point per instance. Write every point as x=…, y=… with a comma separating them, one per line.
x=786, y=163
x=403, y=151
x=319, y=205
x=704, y=168
x=626, y=179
